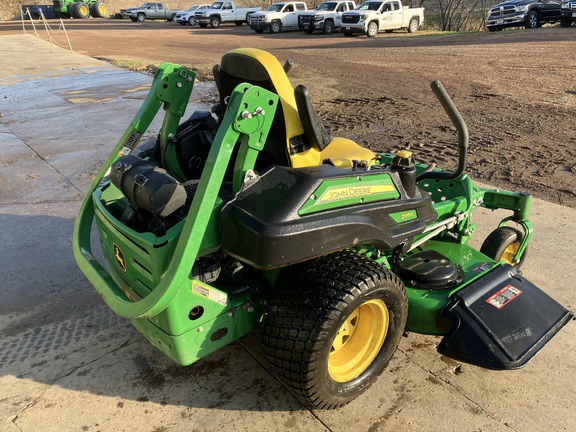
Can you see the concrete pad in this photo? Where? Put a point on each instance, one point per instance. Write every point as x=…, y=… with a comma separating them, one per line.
x=67, y=363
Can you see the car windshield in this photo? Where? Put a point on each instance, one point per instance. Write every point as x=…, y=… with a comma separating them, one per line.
x=276, y=7
x=328, y=6
x=144, y=6
x=369, y=6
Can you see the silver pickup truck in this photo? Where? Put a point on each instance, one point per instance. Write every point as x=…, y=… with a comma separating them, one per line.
x=151, y=11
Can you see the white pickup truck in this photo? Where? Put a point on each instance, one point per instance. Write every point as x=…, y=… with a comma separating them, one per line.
x=375, y=16
x=326, y=17
x=221, y=12
x=278, y=17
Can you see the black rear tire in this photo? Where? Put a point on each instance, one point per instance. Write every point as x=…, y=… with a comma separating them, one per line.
x=413, y=25
x=99, y=10
x=328, y=27
x=73, y=10
x=275, y=27
x=214, y=22
x=532, y=20
x=502, y=244
x=372, y=29
x=332, y=327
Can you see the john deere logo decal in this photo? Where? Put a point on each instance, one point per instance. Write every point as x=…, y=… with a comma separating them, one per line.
x=119, y=256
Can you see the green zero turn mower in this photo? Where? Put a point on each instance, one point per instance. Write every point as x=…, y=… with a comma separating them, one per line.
x=254, y=215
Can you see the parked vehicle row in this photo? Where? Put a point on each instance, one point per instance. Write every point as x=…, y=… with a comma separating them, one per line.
x=369, y=18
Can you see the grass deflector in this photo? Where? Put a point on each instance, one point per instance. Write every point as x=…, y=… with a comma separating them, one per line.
x=254, y=215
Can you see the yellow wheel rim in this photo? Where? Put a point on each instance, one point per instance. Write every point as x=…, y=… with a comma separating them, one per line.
x=84, y=10
x=102, y=9
x=358, y=341
x=510, y=252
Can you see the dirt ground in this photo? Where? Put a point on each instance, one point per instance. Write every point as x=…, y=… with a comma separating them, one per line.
x=515, y=89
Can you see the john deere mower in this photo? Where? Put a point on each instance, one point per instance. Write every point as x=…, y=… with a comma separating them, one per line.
x=253, y=215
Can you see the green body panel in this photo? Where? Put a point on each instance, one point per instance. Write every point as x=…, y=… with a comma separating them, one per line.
x=203, y=338
x=336, y=193
x=146, y=255
x=425, y=305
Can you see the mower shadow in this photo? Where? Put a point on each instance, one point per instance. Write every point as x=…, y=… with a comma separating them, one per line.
x=60, y=332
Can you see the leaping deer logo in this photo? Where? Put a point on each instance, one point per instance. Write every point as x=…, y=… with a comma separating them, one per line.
x=119, y=256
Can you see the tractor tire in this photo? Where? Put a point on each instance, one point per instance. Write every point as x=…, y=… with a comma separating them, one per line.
x=332, y=327
x=347, y=33
x=502, y=244
x=203, y=25
x=372, y=29
x=413, y=25
x=532, y=20
x=214, y=22
x=99, y=10
x=328, y=27
x=275, y=27
x=140, y=17
x=73, y=10
x=83, y=11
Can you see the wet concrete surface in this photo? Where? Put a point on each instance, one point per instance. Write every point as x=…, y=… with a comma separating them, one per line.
x=67, y=363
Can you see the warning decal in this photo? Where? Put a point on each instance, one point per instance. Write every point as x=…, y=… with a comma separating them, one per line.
x=483, y=267
x=209, y=292
x=131, y=143
x=504, y=296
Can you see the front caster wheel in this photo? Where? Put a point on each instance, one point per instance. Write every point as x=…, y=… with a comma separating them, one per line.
x=503, y=244
x=333, y=326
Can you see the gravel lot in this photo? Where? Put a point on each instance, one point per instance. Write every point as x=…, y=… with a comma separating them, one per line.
x=515, y=89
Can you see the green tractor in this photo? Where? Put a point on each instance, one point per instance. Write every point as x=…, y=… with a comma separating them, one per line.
x=80, y=9
x=255, y=216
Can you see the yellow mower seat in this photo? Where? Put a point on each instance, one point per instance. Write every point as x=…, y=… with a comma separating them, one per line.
x=297, y=137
